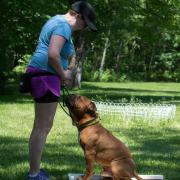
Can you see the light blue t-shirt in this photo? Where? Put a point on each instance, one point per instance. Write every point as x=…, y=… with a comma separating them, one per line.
x=57, y=25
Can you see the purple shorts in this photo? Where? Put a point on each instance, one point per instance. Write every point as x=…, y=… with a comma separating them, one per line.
x=41, y=85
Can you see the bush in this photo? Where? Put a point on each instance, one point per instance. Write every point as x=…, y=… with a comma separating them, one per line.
x=106, y=76
x=3, y=79
x=21, y=67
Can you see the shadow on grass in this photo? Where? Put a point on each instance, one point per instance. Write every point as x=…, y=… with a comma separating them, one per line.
x=104, y=93
x=99, y=93
x=12, y=95
x=14, y=159
x=155, y=153
x=13, y=152
x=94, y=87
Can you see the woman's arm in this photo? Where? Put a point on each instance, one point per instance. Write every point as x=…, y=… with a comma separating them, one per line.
x=56, y=44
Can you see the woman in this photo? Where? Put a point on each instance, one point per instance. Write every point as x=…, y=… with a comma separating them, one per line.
x=54, y=48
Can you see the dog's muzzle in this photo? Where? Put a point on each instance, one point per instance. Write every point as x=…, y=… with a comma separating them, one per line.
x=68, y=100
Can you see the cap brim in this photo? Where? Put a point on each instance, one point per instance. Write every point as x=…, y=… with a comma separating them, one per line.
x=91, y=25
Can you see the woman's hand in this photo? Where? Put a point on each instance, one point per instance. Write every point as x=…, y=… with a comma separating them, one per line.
x=67, y=79
x=67, y=75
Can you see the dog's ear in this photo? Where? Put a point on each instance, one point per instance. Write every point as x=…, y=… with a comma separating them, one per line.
x=91, y=109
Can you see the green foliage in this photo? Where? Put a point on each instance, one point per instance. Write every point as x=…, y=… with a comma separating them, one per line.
x=105, y=76
x=22, y=64
x=108, y=76
x=3, y=79
x=141, y=33
x=144, y=38
x=95, y=76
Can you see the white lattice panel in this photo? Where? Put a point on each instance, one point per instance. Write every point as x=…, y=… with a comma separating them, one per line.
x=144, y=110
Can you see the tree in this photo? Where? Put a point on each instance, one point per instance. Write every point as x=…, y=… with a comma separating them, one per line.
x=143, y=41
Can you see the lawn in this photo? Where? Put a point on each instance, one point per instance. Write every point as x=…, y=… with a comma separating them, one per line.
x=154, y=145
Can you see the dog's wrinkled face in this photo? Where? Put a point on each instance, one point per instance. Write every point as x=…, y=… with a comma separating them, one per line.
x=79, y=106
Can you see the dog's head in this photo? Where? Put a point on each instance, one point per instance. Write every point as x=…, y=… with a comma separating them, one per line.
x=79, y=107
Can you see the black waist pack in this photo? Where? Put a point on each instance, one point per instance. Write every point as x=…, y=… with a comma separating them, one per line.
x=25, y=80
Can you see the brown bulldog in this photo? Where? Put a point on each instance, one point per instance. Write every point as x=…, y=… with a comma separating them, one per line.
x=98, y=143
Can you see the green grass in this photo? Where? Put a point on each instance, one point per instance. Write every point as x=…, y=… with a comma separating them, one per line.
x=154, y=145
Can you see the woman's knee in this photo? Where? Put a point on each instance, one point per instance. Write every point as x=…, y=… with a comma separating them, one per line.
x=43, y=127
x=47, y=128
x=44, y=130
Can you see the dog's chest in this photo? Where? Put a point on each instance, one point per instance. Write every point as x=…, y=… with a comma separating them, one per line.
x=88, y=139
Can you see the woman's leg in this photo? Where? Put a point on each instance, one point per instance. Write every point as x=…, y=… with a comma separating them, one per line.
x=44, y=115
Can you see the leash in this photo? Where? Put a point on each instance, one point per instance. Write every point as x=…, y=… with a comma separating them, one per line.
x=64, y=93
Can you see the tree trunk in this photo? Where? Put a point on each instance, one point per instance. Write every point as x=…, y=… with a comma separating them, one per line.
x=104, y=55
x=118, y=56
x=81, y=51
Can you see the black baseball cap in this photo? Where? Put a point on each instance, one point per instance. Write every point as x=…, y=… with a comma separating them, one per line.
x=87, y=12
